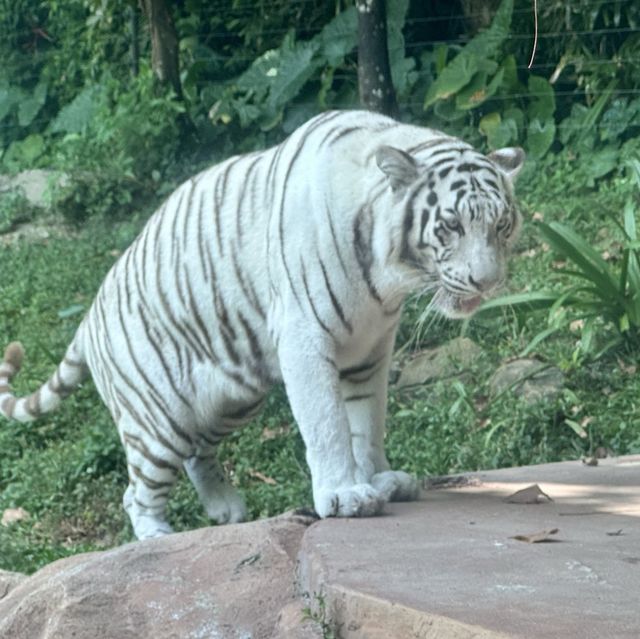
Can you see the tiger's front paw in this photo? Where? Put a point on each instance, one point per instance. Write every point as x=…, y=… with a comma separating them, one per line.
x=359, y=500
x=396, y=485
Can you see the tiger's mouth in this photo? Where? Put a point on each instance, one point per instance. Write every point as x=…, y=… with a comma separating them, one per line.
x=457, y=306
x=467, y=305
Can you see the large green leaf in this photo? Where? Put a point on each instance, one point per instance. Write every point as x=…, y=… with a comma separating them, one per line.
x=446, y=109
x=478, y=90
x=30, y=106
x=540, y=136
x=339, y=37
x=75, y=116
x=296, y=66
x=401, y=66
x=520, y=302
x=498, y=131
x=630, y=273
x=10, y=96
x=459, y=72
x=456, y=74
x=543, y=99
x=601, y=162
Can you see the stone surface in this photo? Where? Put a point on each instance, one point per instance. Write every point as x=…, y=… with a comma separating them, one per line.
x=446, y=567
x=530, y=379
x=8, y=581
x=34, y=184
x=294, y=623
x=227, y=582
x=449, y=567
x=439, y=363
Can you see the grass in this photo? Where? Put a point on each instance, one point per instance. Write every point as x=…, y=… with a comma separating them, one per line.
x=67, y=470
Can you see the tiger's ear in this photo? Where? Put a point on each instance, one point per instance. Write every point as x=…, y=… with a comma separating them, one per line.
x=509, y=160
x=398, y=166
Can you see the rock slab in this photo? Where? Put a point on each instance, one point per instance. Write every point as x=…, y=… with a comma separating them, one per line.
x=450, y=567
x=456, y=565
x=227, y=582
x=445, y=361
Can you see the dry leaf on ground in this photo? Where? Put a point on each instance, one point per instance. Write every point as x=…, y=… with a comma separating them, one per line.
x=538, y=537
x=615, y=533
x=256, y=474
x=530, y=495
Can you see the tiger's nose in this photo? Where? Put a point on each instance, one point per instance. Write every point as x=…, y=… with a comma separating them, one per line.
x=486, y=280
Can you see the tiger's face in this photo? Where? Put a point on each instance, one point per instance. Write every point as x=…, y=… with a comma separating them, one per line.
x=457, y=220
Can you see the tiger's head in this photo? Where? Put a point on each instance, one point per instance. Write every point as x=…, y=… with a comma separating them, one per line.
x=457, y=219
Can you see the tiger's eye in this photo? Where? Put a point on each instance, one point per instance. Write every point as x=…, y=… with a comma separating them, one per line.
x=502, y=225
x=453, y=225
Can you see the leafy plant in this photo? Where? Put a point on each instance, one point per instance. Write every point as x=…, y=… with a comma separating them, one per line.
x=480, y=82
x=594, y=290
x=319, y=615
x=261, y=93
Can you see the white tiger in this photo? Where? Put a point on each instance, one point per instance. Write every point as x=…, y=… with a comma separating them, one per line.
x=288, y=264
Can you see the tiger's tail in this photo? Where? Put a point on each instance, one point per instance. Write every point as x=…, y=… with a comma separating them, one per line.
x=71, y=371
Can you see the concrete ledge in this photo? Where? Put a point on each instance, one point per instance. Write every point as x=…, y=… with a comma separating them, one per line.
x=449, y=566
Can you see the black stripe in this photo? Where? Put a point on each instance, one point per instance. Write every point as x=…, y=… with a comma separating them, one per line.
x=444, y=172
x=424, y=218
x=245, y=412
x=147, y=424
x=281, y=214
x=32, y=404
x=8, y=406
x=57, y=386
x=368, y=368
x=406, y=252
x=469, y=167
x=343, y=132
x=334, y=300
x=153, y=393
x=249, y=185
x=240, y=380
x=203, y=248
x=160, y=355
x=138, y=444
x=362, y=248
x=195, y=313
x=152, y=484
x=334, y=237
x=189, y=215
x=254, y=344
x=356, y=398
x=173, y=238
x=247, y=288
x=428, y=144
x=313, y=306
x=218, y=194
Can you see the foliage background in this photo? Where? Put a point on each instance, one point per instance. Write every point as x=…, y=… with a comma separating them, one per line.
x=71, y=101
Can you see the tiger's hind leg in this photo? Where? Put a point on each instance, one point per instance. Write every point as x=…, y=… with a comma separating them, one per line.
x=153, y=470
x=222, y=502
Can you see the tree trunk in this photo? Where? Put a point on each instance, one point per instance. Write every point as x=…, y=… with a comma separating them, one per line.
x=164, y=43
x=134, y=49
x=374, y=73
x=478, y=14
